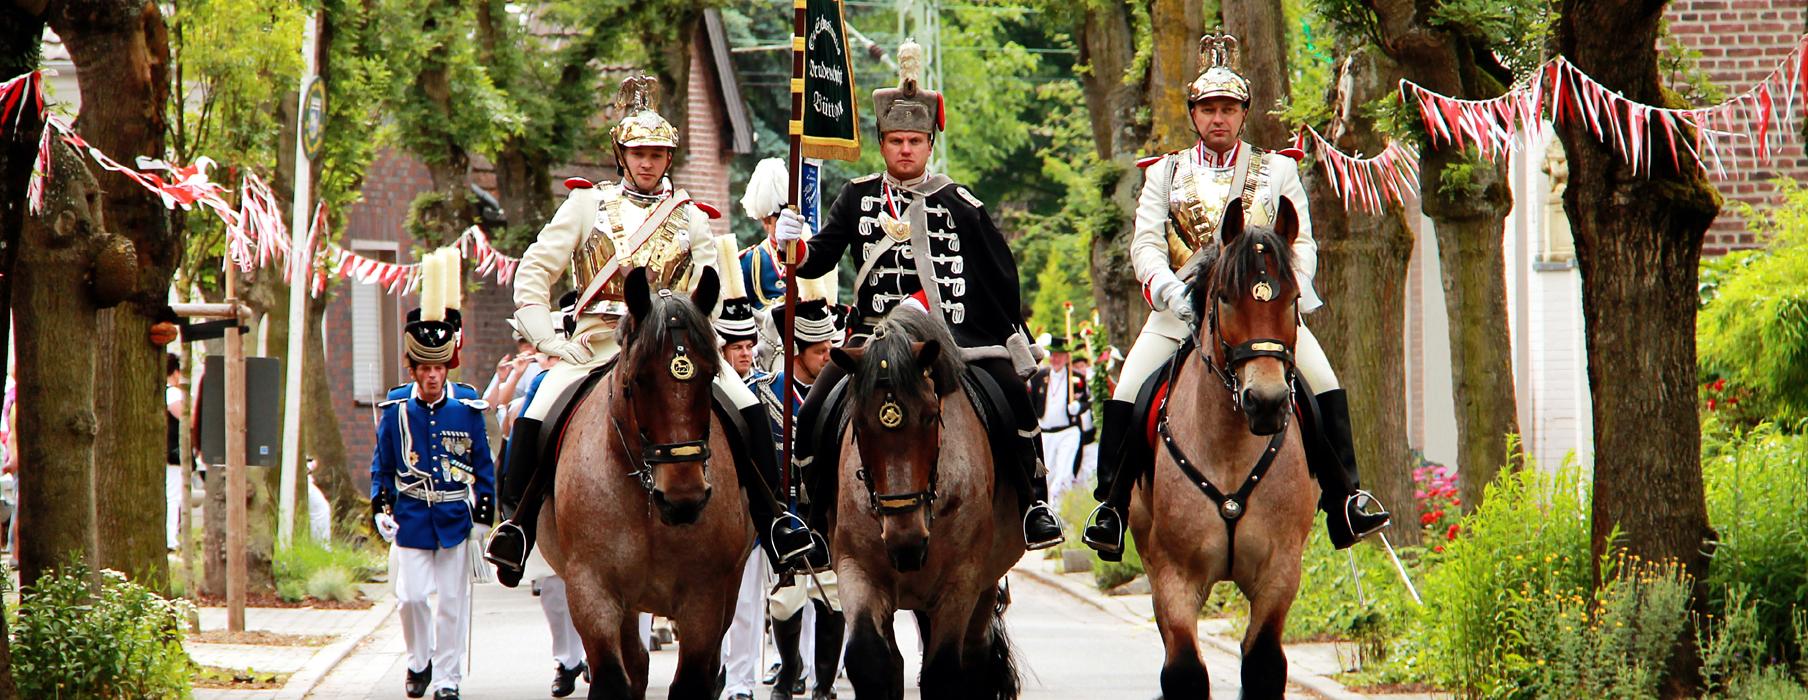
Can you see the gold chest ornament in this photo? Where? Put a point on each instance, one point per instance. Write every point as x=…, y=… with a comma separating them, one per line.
x=664, y=253
x=1199, y=195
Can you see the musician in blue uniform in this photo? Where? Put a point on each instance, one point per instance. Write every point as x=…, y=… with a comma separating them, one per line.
x=432, y=491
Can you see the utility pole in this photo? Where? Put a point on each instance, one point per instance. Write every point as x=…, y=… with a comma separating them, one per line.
x=309, y=115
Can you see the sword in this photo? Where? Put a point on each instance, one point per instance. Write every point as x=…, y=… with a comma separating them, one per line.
x=1400, y=569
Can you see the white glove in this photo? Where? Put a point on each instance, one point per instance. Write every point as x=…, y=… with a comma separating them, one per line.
x=535, y=323
x=479, y=532
x=1171, y=295
x=386, y=526
x=791, y=226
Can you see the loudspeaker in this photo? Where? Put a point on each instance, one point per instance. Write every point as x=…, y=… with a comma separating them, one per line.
x=263, y=411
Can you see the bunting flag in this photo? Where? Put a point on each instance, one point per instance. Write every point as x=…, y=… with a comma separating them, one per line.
x=476, y=246
x=1368, y=184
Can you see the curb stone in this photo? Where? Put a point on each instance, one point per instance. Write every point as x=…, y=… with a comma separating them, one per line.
x=303, y=681
x=1317, y=685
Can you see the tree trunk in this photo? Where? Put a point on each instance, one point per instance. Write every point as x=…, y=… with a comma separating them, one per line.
x=58, y=426
x=1107, y=49
x=1172, y=65
x=320, y=426
x=1261, y=28
x=1638, y=244
x=1362, y=261
x=1472, y=263
x=121, y=51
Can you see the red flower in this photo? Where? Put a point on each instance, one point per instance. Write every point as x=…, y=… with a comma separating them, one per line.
x=1710, y=404
x=1439, y=549
x=1427, y=519
x=1451, y=533
x=1720, y=384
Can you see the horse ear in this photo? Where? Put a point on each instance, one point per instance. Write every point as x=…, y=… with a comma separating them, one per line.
x=927, y=353
x=1232, y=225
x=639, y=295
x=848, y=360
x=708, y=291
x=1287, y=221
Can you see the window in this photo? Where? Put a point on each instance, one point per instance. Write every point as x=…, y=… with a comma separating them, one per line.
x=376, y=348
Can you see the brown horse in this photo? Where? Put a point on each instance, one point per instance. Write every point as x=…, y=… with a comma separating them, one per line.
x=921, y=521
x=638, y=528
x=1223, y=430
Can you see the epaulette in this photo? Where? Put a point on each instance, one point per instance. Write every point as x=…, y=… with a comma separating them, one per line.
x=708, y=210
x=477, y=404
x=578, y=183
x=392, y=402
x=1151, y=160
x=964, y=194
x=1294, y=153
x=866, y=178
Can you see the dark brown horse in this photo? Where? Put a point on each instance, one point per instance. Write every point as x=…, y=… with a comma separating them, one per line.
x=921, y=521
x=1230, y=497
x=646, y=506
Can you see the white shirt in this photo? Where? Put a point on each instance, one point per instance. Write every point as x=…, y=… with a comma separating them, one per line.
x=1054, y=406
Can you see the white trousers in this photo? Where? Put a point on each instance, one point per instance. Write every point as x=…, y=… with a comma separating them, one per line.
x=1059, y=450
x=741, y=647
x=175, y=493
x=435, y=635
x=562, y=375
x=320, y=515
x=567, y=647
x=1153, y=348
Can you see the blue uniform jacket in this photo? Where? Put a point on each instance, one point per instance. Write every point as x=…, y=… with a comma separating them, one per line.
x=448, y=453
x=763, y=275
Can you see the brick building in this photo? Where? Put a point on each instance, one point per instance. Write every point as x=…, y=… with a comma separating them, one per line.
x=363, y=343
x=1741, y=42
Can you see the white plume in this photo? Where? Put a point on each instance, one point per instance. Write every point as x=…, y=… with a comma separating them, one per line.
x=910, y=63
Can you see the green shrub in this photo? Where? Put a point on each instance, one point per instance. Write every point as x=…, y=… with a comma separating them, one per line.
x=1111, y=574
x=1371, y=610
x=119, y=640
x=1613, y=644
x=332, y=583
x=297, y=568
x=1771, y=683
x=1752, y=331
x=1528, y=542
x=1757, y=492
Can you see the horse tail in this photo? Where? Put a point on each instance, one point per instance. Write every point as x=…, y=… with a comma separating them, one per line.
x=1000, y=670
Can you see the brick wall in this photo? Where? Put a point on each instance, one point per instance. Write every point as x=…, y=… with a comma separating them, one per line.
x=1740, y=42
x=706, y=152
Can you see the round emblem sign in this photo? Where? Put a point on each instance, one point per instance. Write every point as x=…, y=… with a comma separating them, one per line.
x=313, y=118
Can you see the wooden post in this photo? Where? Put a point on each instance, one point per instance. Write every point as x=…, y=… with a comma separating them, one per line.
x=235, y=464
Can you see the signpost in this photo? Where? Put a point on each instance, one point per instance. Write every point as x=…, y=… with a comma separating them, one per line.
x=311, y=118
x=825, y=123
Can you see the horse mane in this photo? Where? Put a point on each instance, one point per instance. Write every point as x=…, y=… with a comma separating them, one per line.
x=891, y=342
x=1236, y=266
x=643, y=340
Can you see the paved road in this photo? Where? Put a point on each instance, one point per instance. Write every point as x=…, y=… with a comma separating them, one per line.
x=1067, y=649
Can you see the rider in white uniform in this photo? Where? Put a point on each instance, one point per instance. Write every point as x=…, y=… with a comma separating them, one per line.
x=1184, y=197
x=598, y=235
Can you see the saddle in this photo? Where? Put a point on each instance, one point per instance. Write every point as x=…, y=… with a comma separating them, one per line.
x=1145, y=413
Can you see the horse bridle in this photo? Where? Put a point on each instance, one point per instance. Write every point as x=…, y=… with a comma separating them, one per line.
x=891, y=417
x=651, y=454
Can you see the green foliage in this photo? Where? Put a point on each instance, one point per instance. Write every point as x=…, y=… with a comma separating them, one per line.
x=311, y=569
x=1310, y=64
x=1753, y=327
x=1679, y=64
x=1111, y=574
x=1770, y=683
x=119, y=640
x=1370, y=606
x=1757, y=490
x=1613, y=644
x=1527, y=543
x=430, y=48
x=1514, y=29
x=1458, y=179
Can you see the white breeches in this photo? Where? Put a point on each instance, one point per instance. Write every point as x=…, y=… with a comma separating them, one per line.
x=1153, y=348
x=567, y=647
x=1059, y=450
x=435, y=635
x=745, y=640
x=562, y=375
x=788, y=601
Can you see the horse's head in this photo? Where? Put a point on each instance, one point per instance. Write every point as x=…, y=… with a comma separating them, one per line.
x=896, y=383
x=668, y=363
x=1250, y=301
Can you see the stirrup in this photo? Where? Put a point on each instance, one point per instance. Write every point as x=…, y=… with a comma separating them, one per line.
x=490, y=556
x=808, y=546
x=1044, y=543
x=1359, y=502
x=1116, y=547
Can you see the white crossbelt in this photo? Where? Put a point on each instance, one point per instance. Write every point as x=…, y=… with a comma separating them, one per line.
x=422, y=488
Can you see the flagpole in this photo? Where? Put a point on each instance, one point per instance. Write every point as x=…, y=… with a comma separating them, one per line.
x=794, y=173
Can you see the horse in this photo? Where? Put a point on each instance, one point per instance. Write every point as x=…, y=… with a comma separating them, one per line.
x=1224, y=427
x=643, y=522
x=921, y=522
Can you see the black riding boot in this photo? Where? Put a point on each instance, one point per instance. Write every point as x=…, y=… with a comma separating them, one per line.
x=831, y=624
x=1041, y=529
x=1106, y=533
x=782, y=534
x=785, y=636
x=513, y=539
x=1349, y=516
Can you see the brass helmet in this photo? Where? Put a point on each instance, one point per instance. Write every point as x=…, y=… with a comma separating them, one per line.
x=1218, y=75
x=641, y=126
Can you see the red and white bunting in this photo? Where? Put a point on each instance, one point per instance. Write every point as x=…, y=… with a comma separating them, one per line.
x=1369, y=184
x=476, y=246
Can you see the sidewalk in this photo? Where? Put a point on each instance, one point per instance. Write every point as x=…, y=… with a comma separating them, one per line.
x=299, y=645
x=1313, y=666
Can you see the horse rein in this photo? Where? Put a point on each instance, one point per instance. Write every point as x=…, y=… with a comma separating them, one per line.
x=651, y=455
